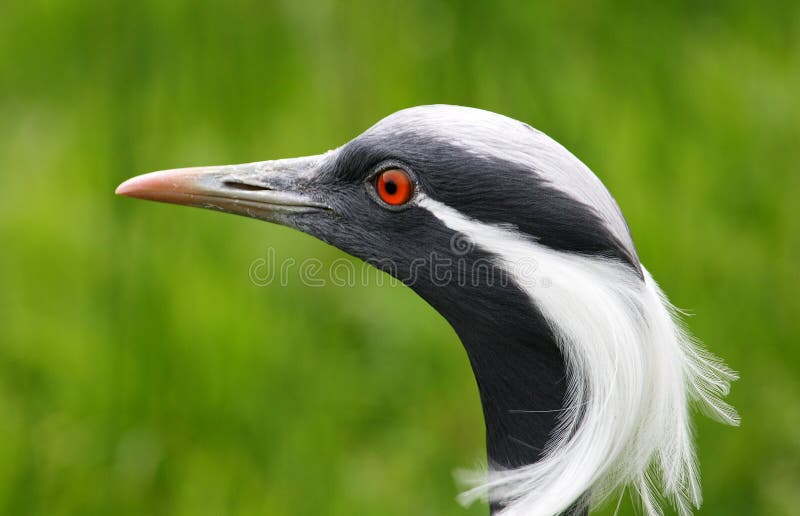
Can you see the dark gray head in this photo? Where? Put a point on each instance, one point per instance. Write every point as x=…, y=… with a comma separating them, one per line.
x=487, y=166
x=457, y=202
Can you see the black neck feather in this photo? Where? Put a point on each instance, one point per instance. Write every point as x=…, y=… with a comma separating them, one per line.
x=520, y=372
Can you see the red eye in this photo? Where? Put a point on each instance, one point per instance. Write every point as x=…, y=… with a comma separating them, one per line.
x=394, y=186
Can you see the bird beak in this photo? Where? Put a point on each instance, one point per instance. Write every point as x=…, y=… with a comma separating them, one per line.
x=266, y=190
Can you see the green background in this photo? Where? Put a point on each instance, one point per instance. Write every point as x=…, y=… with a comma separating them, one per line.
x=143, y=373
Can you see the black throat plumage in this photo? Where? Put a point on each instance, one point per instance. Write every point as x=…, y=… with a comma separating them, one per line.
x=520, y=372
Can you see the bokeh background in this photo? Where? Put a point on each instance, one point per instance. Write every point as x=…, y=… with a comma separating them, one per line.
x=142, y=372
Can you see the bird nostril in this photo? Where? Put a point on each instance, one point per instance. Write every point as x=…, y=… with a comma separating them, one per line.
x=236, y=185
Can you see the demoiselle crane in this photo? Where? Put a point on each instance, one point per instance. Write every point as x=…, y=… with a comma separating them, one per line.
x=585, y=372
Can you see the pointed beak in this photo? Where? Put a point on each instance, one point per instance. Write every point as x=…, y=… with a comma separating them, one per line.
x=263, y=190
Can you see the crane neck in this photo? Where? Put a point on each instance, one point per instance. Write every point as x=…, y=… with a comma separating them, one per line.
x=520, y=371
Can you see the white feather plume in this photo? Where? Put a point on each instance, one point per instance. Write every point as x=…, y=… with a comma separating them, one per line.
x=633, y=373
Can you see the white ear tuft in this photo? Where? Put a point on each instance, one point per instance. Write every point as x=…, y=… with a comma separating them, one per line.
x=633, y=372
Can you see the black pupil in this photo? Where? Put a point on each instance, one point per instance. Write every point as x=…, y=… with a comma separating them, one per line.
x=391, y=187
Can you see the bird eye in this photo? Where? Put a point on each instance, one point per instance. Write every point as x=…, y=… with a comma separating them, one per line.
x=394, y=186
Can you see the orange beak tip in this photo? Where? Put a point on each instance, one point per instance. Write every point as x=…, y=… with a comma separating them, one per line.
x=160, y=186
x=126, y=188
x=141, y=185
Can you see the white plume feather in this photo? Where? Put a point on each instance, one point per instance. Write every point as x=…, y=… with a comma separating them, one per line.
x=633, y=372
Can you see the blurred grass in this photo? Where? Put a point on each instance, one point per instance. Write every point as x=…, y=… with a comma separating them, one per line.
x=141, y=372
